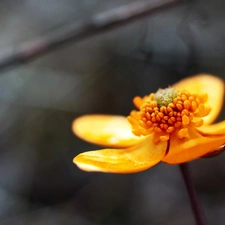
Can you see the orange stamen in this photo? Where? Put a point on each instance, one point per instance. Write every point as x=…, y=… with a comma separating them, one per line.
x=166, y=111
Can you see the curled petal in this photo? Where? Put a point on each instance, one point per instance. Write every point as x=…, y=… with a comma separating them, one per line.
x=215, y=152
x=214, y=129
x=113, y=131
x=211, y=85
x=197, y=145
x=217, y=128
x=137, y=158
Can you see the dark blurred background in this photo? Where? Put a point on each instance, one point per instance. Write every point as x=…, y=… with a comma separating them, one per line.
x=39, y=184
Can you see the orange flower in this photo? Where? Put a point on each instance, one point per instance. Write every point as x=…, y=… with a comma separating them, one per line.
x=171, y=125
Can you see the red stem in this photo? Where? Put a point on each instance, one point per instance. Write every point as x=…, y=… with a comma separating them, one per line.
x=196, y=206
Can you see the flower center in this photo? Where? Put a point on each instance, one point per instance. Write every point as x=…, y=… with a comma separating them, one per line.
x=165, y=96
x=167, y=111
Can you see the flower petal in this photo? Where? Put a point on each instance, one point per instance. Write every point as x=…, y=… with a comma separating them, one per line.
x=198, y=145
x=211, y=85
x=213, y=129
x=215, y=152
x=137, y=158
x=113, y=131
x=217, y=128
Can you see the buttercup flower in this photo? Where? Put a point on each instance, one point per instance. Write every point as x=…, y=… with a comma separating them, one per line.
x=173, y=125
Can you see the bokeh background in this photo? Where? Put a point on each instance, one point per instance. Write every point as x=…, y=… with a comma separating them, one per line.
x=39, y=184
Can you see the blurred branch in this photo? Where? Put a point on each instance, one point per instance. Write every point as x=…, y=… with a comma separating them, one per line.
x=98, y=24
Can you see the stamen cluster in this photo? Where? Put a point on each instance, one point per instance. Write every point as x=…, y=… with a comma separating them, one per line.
x=181, y=110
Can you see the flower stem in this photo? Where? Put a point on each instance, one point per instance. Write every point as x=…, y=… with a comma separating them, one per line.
x=196, y=207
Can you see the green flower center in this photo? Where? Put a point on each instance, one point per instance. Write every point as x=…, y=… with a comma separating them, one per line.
x=164, y=97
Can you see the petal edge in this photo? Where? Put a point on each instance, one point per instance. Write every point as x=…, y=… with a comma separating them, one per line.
x=106, y=130
x=137, y=158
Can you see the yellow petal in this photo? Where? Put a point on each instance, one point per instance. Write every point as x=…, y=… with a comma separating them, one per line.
x=137, y=158
x=113, y=131
x=211, y=85
x=197, y=145
x=214, y=129
x=217, y=128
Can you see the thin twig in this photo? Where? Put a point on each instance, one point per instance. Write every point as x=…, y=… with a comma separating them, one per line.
x=196, y=207
x=98, y=24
